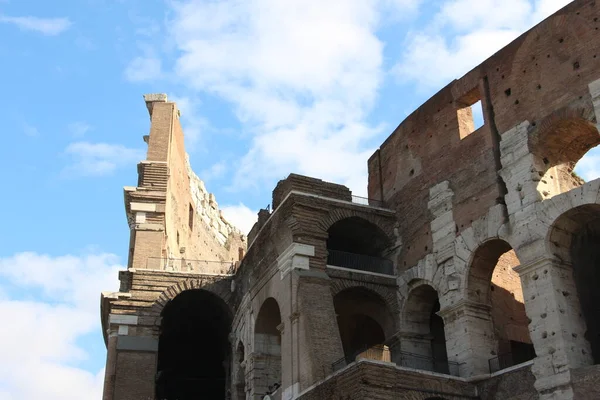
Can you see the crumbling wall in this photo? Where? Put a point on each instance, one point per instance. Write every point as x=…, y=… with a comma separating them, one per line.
x=541, y=73
x=172, y=211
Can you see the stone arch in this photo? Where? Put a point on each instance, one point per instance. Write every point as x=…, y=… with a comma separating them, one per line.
x=194, y=353
x=387, y=296
x=495, y=288
x=239, y=380
x=423, y=337
x=356, y=243
x=336, y=215
x=364, y=322
x=573, y=241
x=266, y=350
x=559, y=141
x=425, y=273
x=220, y=288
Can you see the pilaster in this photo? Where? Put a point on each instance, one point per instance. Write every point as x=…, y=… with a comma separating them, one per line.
x=470, y=339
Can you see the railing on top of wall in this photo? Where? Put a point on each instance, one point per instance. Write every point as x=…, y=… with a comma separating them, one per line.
x=400, y=358
x=507, y=360
x=360, y=262
x=185, y=265
x=427, y=363
x=377, y=352
x=368, y=202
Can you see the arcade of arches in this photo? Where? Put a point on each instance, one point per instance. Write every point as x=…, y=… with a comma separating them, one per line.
x=187, y=368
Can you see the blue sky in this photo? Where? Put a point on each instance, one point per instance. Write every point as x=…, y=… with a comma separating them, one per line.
x=266, y=87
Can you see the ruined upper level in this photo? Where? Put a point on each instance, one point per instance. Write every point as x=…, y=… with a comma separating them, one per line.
x=175, y=222
x=543, y=77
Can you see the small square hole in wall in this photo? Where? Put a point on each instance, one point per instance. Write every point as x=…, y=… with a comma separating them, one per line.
x=470, y=114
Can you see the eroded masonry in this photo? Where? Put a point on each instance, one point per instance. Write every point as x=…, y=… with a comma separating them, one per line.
x=471, y=271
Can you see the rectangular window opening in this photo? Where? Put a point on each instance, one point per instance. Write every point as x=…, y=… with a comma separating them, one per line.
x=470, y=114
x=191, y=218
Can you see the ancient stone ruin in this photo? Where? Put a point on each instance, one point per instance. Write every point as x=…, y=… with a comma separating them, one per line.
x=472, y=271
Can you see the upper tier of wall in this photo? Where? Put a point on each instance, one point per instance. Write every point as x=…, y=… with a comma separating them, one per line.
x=543, y=72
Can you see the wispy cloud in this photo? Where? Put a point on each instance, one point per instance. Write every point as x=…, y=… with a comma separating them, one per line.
x=194, y=124
x=143, y=69
x=302, y=78
x=78, y=128
x=30, y=130
x=241, y=216
x=48, y=302
x=215, y=171
x=45, y=26
x=98, y=159
x=463, y=34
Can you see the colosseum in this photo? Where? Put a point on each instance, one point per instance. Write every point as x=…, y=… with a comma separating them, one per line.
x=469, y=272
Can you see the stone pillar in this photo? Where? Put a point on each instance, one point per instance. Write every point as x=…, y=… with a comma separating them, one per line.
x=557, y=328
x=470, y=339
x=131, y=361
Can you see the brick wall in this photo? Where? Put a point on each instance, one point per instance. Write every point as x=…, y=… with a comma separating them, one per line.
x=544, y=70
x=309, y=185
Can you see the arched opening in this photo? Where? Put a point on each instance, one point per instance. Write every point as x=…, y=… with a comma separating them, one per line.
x=559, y=146
x=493, y=282
x=364, y=322
x=423, y=341
x=193, y=349
x=267, y=349
x=240, y=378
x=575, y=239
x=358, y=244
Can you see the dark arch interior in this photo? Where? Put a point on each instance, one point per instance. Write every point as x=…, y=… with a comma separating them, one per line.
x=363, y=319
x=356, y=235
x=193, y=348
x=427, y=349
x=585, y=253
x=438, y=339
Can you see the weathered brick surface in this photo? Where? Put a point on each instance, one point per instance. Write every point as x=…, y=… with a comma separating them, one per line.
x=514, y=385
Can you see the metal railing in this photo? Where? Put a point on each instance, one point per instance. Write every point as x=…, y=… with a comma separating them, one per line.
x=368, y=202
x=426, y=363
x=377, y=352
x=401, y=358
x=185, y=265
x=360, y=262
x=507, y=360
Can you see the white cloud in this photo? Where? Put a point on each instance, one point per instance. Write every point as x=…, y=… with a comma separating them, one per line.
x=143, y=69
x=97, y=159
x=215, y=171
x=30, y=130
x=240, y=216
x=589, y=166
x=46, y=26
x=51, y=305
x=302, y=77
x=463, y=34
x=193, y=123
x=78, y=128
